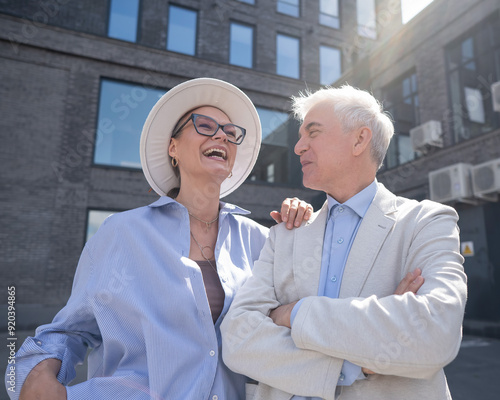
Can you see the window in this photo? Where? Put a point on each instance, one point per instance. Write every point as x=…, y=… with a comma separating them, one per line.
x=329, y=13
x=123, y=108
x=287, y=54
x=329, y=64
x=401, y=101
x=277, y=162
x=123, y=18
x=367, y=18
x=95, y=218
x=473, y=64
x=241, y=45
x=247, y=1
x=289, y=7
x=181, y=36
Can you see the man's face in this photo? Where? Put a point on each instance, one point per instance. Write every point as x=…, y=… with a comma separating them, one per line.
x=325, y=150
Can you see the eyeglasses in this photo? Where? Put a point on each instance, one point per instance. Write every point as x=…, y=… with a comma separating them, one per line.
x=207, y=126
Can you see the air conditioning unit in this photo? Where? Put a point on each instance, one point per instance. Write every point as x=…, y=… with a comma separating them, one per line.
x=495, y=95
x=426, y=135
x=452, y=184
x=486, y=180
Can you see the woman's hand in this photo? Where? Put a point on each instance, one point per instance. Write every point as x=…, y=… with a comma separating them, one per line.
x=42, y=384
x=293, y=212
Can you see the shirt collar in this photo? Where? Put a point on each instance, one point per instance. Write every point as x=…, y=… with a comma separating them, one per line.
x=360, y=202
x=226, y=208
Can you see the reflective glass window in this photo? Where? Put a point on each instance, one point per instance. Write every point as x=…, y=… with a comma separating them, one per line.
x=123, y=18
x=289, y=7
x=401, y=101
x=123, y=108
x=329, y=13
x=241, y=45
x=181, y=36
x=287, y=54
x=367, y=18
x=95, y=218
x=473, y=65
x=330, y=65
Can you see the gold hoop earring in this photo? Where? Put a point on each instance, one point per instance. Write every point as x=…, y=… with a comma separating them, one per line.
x=175, y=163
x=230, y=175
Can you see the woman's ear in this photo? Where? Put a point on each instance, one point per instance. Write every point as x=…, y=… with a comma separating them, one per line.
x=172, y=148
x=363, y=140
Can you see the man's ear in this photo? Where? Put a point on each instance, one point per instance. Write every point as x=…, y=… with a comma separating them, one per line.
x=363, y=140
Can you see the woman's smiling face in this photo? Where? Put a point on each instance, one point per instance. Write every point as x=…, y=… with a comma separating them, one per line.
x=203, y=156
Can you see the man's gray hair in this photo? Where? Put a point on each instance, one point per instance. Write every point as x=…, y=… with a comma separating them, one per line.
x=354, y=108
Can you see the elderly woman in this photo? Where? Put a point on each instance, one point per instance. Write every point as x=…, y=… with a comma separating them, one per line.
x=154, y=283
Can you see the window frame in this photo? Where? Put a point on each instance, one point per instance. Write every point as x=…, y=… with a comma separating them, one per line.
x=253, y=51
x=299, y=61
x=299, y=13
x=478, y=59
x=398, y=84
x=288, y=173
x=94, y=164
x=330, y=15
x=196, y=29
x=87, y=220
x=320, y=63
x=138, y=28
x=359, y=26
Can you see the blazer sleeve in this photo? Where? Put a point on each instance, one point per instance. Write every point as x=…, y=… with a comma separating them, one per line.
x=254, y=346
x=410, y=335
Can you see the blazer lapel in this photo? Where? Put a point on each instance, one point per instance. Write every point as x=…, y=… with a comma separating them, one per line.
x=374, y=228
x=307, y=254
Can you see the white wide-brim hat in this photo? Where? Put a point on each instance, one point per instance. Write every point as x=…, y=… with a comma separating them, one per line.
x=157, y=130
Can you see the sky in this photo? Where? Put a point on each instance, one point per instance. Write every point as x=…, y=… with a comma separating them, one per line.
x=410, y=8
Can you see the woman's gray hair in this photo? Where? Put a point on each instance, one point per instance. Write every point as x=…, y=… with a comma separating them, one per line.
x=354, y=108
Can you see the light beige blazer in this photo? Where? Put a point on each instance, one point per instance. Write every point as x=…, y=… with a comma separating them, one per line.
x=406, y=340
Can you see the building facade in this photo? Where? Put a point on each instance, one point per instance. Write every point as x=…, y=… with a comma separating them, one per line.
x=78, y=79
x=435, y=74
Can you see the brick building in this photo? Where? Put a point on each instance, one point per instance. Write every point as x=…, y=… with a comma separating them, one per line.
x=78, y=79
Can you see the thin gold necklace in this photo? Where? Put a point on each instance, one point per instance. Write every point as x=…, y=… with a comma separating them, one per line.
x=207, y=223
x=202, y=250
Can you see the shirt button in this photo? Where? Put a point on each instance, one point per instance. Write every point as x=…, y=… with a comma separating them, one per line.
x=38, y=342
x=212, y=353
x=215, y=397
x=340, y=241
x=341, y=378
x=341, y=209
x=334, y=279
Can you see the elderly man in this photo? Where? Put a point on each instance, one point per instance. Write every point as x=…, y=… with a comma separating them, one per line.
x=322, y=302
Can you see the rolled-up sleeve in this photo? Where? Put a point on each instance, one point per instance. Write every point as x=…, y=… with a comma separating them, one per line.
x=67, y=338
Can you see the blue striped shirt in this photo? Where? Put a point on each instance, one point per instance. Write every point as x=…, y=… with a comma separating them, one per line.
x=139, y=303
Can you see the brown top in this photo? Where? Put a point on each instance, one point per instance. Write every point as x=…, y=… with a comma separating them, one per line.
x=213, y=288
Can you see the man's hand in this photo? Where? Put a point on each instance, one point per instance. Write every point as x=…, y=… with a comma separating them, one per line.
x=293, y=212
x=281, y=315
x=42, y=383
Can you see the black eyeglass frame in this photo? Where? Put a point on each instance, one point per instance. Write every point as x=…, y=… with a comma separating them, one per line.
x=193, y=117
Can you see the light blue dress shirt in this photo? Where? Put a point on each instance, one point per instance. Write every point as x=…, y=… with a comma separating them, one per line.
x=139, y=302
x=341, y=228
